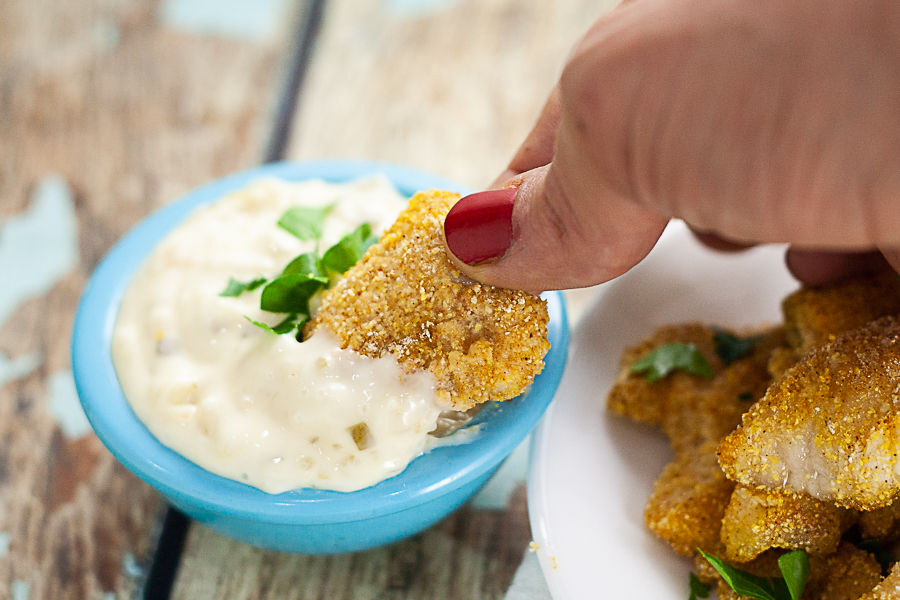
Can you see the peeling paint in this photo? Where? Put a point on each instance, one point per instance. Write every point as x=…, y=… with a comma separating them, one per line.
x=131, y=566
x=63, y=403
x=19, y=367
x=39, y=246
x=20, y=590
x=254, y=20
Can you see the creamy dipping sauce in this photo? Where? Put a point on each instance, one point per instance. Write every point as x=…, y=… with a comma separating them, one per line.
x=248, y=404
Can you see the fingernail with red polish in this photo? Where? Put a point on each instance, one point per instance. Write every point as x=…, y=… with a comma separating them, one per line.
x=479, y=227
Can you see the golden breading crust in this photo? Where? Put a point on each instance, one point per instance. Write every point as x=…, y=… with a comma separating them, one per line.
x=831, y=426
x=845, y=575
x=889, y=589
x=688, y=501
x=881, y=524
x=757, y=520
x=690, y=409
x=690, y=496
x=814, y=316
x=633, y=397
x=406, y=298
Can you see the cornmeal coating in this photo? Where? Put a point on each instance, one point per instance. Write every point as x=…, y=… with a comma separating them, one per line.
x=406, y=298
x=632, y=396
x=881, y=524
x=757, y=520
x=691, y=494
x=692, y=409
x=845, y=575
x=688, y=502
x=830, y=427
x=813, y=316
x=889, y=589
x=699, y=411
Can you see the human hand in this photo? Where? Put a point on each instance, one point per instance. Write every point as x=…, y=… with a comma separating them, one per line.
x=764, y=121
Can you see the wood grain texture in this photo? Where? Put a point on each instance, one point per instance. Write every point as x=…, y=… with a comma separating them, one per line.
x=471, y=555
x=453, y=92
x=131, y=114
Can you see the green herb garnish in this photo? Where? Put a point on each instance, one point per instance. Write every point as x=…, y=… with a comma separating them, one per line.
x=669, y=357
x=794, y=568
x=307, y=274
x=288, y=325
x=698, y=588
x=305, y=222
x=305, y=264
x=347, y=252
x=745, y=396
x=730, y=347
x=236, y=288
x=290, y=293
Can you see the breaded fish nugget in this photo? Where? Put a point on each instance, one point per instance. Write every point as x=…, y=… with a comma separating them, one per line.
x=845, y=575
x=691, y=409
x=757, y=520
x=831, y=426
x=700, y=411
x=406, y=298
x=632, y=396
x=888, y=589
x=688, y=502
x=813, y=316
x=690, y=496
x=881, y=524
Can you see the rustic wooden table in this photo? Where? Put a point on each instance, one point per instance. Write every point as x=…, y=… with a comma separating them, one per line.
x=112, y=108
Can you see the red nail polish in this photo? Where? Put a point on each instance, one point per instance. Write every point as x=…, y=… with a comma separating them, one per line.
x=479, y=227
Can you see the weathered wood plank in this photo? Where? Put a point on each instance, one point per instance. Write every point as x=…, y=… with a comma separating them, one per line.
x=129, y=113
x=453, y=91
x=470, y=555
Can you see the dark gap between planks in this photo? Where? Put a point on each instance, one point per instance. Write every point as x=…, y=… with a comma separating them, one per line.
x=170, y=545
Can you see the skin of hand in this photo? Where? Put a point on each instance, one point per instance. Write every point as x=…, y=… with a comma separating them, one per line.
x=754, y=122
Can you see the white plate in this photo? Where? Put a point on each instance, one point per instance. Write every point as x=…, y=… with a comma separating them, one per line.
x=591, y=472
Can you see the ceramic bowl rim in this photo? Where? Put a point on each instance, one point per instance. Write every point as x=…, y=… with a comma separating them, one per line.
x=116, y=425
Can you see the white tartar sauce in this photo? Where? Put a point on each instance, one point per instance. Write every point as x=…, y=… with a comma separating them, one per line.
x=248, y=404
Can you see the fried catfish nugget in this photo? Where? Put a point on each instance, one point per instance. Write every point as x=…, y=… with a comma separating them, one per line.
x=881, y=524
x=757, y=520
x=813, y=316
x=889, y=589
x=632, y=396
x=690, y=409
x=831, y=426
x=688, y=502
x=845, y=575
x=690, y=496
x=406, y=298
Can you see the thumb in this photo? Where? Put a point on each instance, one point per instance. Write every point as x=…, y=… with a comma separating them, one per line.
x=548, y=230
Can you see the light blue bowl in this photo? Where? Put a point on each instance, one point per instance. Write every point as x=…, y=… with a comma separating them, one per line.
x=304, y=520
